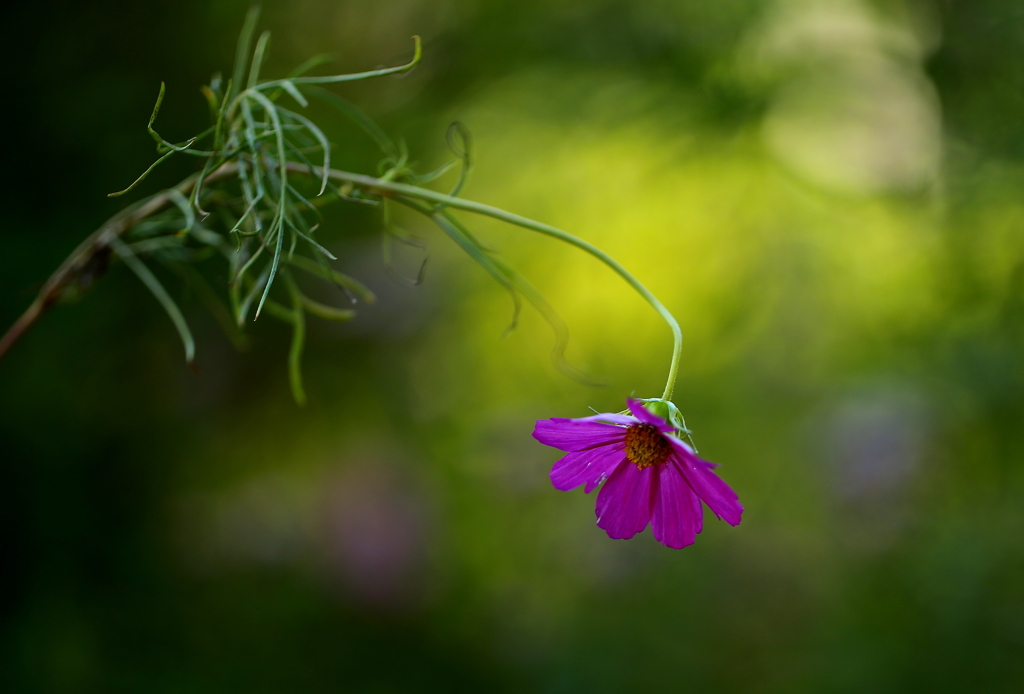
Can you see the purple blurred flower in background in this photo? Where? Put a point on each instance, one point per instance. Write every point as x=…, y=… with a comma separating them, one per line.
x=650, y=475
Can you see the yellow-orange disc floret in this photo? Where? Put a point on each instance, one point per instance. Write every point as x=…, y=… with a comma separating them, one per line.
x=646, y=446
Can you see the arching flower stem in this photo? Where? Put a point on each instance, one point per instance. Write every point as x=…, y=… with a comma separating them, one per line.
x=125, y=220
x=388, y=187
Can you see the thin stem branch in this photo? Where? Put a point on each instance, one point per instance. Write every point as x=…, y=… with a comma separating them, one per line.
x=101, y=240
x=94, y=248
x=386, y=187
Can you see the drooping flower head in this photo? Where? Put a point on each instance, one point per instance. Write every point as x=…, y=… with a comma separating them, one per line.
x=650, y=475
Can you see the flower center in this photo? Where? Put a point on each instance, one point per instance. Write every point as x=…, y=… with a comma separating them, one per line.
x=645, y=446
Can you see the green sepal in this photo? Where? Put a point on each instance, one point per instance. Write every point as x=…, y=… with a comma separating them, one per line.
x=667, y=410
x=660, y=408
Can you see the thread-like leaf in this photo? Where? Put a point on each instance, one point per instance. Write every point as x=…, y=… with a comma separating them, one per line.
x=274, y=263
x=321, y=138
x=460, y=142
x=353, y=112
x=181, y=202
x=242, y=311
x=242, y=51
x=257, y=59
x=433, y=175
x=332, y=275
x=298, y=342
x=310, y=63
x=327, y=312
x=475, y=251
x=153, y=284
x=141, y=178
x=161, y=142
x=278, y=224
x=334, y=79
x=294, y=92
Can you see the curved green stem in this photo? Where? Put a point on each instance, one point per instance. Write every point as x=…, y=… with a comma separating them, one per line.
x=377, y=184
x=127, y=218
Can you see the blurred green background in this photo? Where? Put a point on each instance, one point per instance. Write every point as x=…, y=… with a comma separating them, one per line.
x=828, y=194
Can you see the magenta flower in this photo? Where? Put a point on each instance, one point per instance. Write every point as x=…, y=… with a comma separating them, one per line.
x=649, y=475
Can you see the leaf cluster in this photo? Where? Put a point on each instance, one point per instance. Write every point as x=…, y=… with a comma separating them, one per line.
x=255, y=204
x=251, y=204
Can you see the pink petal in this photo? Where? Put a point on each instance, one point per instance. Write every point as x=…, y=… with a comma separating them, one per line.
x=678, y=516
x=575, y=434
x=624, y=419
x=592, y=484
x=624, y=503
x=648, y=417
x=685, y=449
x=699, y=474
x=589, y=466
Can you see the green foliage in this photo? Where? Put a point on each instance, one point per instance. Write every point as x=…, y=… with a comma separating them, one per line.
x=255, y=204
x=253, y=187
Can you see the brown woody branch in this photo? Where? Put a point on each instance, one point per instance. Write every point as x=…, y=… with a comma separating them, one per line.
x=89, y=258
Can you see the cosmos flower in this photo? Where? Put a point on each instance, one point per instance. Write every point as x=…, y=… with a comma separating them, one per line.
x=649, y=474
